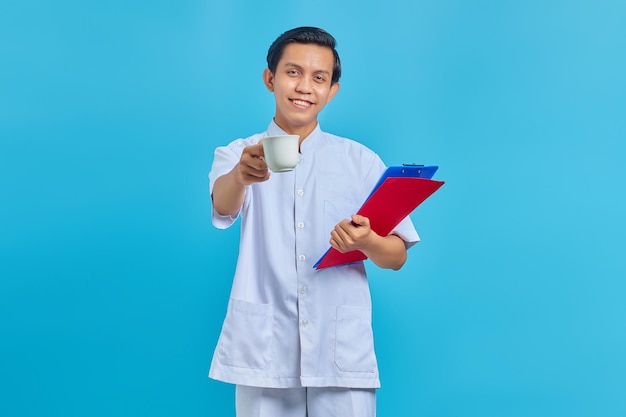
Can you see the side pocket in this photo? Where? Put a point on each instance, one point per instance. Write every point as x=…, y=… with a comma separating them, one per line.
x=247, y=335
x=354, y=340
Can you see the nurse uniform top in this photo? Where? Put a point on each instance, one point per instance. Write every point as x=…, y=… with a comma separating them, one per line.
x=287, y=324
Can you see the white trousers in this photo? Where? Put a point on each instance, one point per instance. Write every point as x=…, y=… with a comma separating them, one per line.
x=304, y=402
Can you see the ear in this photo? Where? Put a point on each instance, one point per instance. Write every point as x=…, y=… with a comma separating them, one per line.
x=333, y=90
x=268, y=79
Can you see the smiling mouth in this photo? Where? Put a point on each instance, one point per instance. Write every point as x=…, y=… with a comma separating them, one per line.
x=301, y=103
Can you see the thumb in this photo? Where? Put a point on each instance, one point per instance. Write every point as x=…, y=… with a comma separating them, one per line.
x=360, y=220
x=258, y=149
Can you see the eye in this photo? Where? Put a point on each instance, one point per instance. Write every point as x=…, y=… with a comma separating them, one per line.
x=319, y=78
x=293, y=72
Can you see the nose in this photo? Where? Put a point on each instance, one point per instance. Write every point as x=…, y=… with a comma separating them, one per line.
x=304, y=85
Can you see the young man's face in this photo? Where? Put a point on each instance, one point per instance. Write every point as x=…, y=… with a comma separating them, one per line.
x=301, y=86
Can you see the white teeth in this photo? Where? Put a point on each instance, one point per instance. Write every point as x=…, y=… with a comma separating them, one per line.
x=301, y=103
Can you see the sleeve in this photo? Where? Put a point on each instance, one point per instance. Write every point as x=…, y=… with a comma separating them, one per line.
x=225, y=158
x=406, y=231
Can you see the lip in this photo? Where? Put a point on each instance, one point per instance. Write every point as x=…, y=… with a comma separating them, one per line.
x=301, y=104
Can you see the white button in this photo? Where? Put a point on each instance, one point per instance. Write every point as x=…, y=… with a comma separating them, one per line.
x=303, y=290
x=302, y=257
x=300, y=225
x=304, y=323
x=300, y=193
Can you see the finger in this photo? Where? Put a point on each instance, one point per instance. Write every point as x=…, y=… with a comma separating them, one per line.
x=253, y=161
x=255, y=176
x=334, y=238
x=254, y=150
x=255, y=169
x=249, y=153
x=342, y=237
x=359, y=220
x=345, y=226
x=250, y=175
x=337, y=244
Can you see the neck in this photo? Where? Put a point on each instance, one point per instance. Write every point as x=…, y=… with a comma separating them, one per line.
x=302, y=131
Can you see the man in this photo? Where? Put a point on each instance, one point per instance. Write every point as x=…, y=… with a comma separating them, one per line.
x=296, y=341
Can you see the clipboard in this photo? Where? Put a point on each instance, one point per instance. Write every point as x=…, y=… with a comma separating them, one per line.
x=406, y=170
x=398, y=192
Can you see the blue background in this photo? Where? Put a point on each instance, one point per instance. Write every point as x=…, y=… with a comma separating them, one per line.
x=114, y=284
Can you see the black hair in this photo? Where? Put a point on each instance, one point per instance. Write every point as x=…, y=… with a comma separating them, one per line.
x=304, y=34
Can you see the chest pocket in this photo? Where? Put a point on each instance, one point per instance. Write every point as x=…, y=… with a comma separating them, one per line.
x=342, y=198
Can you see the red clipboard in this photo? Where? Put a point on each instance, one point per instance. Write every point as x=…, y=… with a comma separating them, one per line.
x=389, y=203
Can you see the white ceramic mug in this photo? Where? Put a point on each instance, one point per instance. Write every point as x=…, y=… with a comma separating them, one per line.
x=281, y=152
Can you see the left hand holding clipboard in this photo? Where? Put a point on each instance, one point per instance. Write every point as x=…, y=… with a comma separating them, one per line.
x=349, y=235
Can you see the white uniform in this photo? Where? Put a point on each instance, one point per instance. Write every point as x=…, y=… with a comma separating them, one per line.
x=289, y=325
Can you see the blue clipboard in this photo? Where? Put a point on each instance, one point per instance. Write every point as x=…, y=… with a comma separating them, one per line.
x=406, y=170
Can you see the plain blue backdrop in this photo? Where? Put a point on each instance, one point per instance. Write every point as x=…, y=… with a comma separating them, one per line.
x=114, y=284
